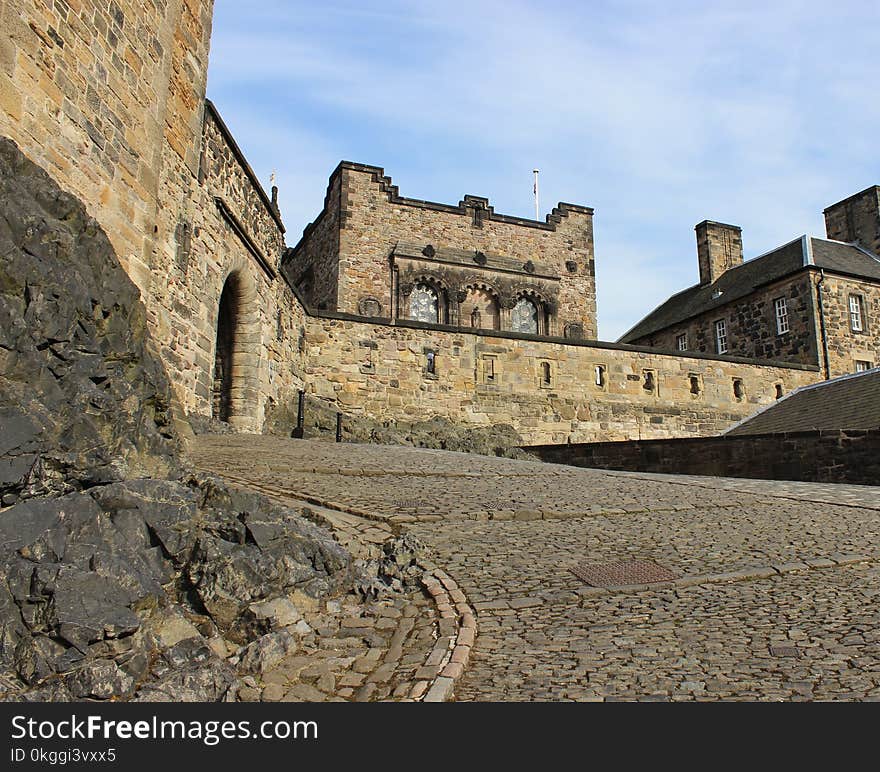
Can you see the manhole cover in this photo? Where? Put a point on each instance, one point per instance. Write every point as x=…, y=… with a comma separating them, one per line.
x=623, y=573
x=785, y=651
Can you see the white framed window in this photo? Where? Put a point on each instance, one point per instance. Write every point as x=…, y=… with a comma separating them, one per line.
x=863, y=366
x=681, y=342
x=721, y=336
x=856, y=320
x=780, y=306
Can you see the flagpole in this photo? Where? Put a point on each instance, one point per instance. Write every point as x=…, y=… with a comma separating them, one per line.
x=537, y=204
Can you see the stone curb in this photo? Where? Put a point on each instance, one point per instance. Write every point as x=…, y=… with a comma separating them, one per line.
x=447, y=661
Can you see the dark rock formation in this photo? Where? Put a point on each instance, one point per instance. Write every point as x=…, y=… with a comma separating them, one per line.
x=82, y=399
x=104, y=588
x=114, y=582
x=435, y=432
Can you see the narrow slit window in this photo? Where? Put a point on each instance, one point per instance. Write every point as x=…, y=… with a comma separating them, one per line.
x=600, y=376
x=649, y=383
x=545, y=373
x=431, y=363
x=778, y=391
x=695, y=384
x=738, y=388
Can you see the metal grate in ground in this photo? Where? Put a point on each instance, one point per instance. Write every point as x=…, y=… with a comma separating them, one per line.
x=623, y=573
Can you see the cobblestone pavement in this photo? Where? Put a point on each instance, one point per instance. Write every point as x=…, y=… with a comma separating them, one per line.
x=775, y=585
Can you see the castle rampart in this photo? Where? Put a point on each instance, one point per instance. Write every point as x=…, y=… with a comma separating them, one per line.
x=110, y=99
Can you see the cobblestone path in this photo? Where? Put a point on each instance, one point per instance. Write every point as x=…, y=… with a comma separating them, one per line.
x=776, y=585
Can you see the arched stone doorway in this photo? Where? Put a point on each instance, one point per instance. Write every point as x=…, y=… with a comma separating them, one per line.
x=236, y=358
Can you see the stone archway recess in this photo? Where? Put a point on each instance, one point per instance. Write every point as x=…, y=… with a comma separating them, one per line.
x=235, y=393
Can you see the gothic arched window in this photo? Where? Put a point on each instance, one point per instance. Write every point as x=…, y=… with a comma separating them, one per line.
x=524, y=317
x=424, y=304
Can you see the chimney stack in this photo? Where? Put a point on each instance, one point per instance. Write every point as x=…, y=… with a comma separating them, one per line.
x=857, y=219
x=719, y=248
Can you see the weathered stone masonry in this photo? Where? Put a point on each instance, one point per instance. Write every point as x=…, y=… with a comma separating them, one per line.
x=380, y=370
x=370, y=246
x=110, y=98
x=817, y=456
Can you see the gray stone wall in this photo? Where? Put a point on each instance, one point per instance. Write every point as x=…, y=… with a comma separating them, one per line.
x=856, y=218
x=833, y=457
x=846, y=346
x=751, y=326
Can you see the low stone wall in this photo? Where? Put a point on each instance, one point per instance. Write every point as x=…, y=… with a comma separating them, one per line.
x=816, y=456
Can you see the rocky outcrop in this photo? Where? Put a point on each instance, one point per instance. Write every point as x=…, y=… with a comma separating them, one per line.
x=82, y=399
x=121, y=576
x=435, y=432
x=120, y=591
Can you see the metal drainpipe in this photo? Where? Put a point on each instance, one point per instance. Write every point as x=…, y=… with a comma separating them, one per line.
x=822, y=322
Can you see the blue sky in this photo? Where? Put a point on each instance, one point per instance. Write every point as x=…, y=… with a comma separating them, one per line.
x=658, y=115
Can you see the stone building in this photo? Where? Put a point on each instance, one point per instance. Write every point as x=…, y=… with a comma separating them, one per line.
x=814, y=301
x=375, y=253
x=388, y=308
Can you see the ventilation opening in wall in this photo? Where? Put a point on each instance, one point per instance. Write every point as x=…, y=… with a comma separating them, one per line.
x=600, y=376
x=738, y=388
x=778, y=391
x=650, y=382
x=545, y=374
x=431, y=363
x=696, y=386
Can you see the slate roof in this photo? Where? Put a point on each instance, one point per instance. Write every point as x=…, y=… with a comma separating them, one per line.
x=849, y=402
x=739, y=282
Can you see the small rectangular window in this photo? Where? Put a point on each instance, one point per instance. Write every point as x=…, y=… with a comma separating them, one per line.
x=856, y=313
x=863, y=366
x=600, y=376
x=489, y=372
x=545, y=374
x=781, y=308
x=721, y=336
x=681, y=342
